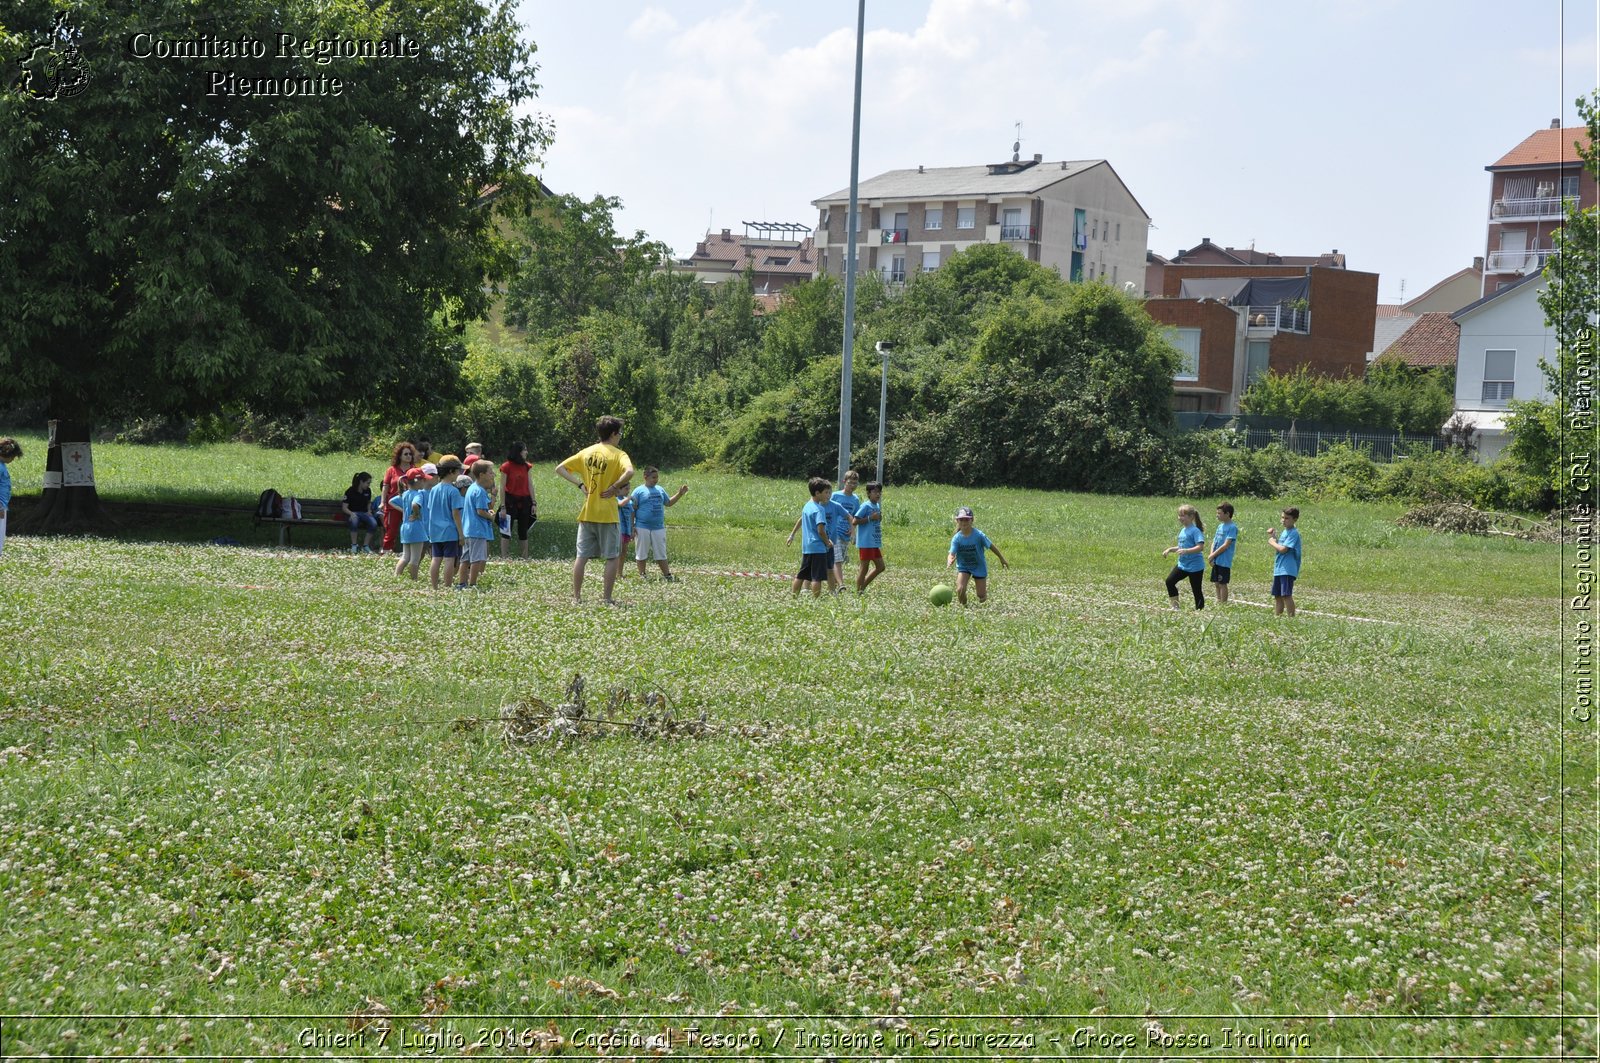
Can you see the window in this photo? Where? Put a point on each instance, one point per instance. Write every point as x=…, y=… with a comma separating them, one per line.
x=1187, y=340
x=1569, y=186
x=1499, y=376
x=966, y=217
x=933, y=218
x=1094, y=229
x=774, y=261
x=896, y=271
x=1119, y=230
x=930, y=260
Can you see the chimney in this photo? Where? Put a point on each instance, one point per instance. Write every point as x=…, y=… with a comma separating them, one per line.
x=727, y=234
x=1037, y=158
x=1477, y=263
x=920, y=169
x=1555, y=123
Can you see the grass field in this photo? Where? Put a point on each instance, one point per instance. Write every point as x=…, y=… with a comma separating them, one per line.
x=241, y=782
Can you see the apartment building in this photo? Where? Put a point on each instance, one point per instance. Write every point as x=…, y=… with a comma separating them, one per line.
x=776, y=255
x=1077, y=216
x=1529, y=189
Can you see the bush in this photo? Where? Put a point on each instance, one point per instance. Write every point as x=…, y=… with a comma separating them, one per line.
x=505, y=401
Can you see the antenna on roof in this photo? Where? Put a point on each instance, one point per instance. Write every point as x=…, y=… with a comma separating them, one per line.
x=1016, y=148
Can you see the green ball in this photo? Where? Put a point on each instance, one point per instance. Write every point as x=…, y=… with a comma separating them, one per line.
x=941, y=595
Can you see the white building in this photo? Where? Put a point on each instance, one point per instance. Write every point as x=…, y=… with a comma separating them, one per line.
x=1503, y=337
x=1076, y=216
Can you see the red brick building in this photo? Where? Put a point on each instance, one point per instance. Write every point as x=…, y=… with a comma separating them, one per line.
x=1235, y=321
x=1529, y=190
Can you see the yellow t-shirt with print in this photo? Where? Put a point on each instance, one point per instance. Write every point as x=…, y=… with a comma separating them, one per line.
x=598, y=466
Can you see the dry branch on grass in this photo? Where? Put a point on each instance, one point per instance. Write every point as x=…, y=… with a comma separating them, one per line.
x=1462, y=519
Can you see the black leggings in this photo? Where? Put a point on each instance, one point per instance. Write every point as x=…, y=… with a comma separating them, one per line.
x=1176, y=576
x=521, y=509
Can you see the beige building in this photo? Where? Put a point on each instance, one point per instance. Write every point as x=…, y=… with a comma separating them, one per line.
x=1076, y=216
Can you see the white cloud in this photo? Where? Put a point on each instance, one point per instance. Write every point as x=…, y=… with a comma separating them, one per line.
x=652, y=22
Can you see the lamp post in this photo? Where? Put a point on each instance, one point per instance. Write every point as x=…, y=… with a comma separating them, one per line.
x=850, y=256
x=883, y=349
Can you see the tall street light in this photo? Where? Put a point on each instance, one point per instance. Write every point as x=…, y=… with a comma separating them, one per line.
x=883, y=348
x=850, y=257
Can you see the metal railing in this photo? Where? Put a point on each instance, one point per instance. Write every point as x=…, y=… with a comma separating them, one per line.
x=1536, y=207
x=1497, y=392
x=1017, y=232
x=894, y=276
x=1255, y=432
x=896, y=236
x=1524, y=261
x=1280, y=318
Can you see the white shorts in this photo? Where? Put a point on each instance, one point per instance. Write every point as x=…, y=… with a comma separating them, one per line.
x=474, y=551
x=841, y=552
x=649, y=543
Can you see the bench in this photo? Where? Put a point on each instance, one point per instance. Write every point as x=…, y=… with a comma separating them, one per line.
x=314, y=512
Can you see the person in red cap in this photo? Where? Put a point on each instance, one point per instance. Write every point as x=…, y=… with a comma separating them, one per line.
x=410, y=505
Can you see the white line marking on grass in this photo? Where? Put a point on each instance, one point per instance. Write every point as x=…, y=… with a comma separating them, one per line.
x=1231, y=602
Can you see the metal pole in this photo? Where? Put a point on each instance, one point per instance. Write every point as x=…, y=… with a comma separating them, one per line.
x=850, y=256
x=883, y=405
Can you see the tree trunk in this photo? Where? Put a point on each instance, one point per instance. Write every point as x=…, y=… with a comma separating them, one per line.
x=70, y=504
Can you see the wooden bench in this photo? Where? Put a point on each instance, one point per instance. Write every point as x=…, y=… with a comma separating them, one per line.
x=314, y=512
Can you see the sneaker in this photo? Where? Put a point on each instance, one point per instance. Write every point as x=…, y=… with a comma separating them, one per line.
x=366, y=549
x=354, y=548
x=669, y=578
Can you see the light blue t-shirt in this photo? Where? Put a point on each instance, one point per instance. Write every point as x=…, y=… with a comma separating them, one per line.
x=1225, y=531
x=851, y=504
x=412, y=531
x=970, y=555
x=1287, y=563
x=474, y=526
x=838, y=522
x=870, y=534
x=625, y=516
x=650, y=507
x=1191, y=536
x=815, y=513
x=444, y=499
x=5, y=485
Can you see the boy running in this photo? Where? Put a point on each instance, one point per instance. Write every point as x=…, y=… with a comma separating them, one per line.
x=967, y=548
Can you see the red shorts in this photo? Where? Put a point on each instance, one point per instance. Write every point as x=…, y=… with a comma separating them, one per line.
x=870, y=553
x=626, y=539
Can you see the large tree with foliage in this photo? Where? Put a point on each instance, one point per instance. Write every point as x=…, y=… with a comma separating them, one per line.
x=1571, y=302
x=164, y=250
x=573, y=262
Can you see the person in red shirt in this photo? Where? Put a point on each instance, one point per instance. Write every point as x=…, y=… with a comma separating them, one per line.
x=403, y=461
x=516, y=489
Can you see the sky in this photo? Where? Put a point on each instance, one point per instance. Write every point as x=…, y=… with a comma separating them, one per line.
x=1293, y=126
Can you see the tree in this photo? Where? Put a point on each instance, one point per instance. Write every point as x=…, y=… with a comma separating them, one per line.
x=1571, y=303
x=574, y=263
x=170, y=244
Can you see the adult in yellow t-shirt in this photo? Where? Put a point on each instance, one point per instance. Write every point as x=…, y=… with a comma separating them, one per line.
x=601, y=472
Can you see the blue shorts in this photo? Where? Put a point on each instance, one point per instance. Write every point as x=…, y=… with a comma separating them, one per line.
x=449, y=549
x=975, y=573
x=1221, y=573
x=1283, y=586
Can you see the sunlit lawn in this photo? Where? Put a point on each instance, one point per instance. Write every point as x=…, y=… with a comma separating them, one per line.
x=235, y=782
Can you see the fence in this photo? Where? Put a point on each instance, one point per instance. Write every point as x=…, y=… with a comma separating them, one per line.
x=1309, y=437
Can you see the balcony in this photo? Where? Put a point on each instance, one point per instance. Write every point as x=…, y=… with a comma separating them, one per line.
x=1280, y=318
x=1539, y=208
x=1530, y=260
x=896, y=236
x=1018, y=232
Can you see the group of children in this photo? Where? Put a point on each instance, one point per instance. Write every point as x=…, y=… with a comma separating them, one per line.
x=830, y=521
x=1192, y=557
x=450, y=514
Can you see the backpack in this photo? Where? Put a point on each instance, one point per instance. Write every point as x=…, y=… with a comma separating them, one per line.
x=270, y=504
x=291, y=508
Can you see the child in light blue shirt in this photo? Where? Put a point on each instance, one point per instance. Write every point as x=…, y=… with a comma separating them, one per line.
x=1286, y=566
x=968, y=548
x=1191, y=564
x=10, y=451
x=1221, y=555
x=868, y=522
x=477, y=524
x=413, y=506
